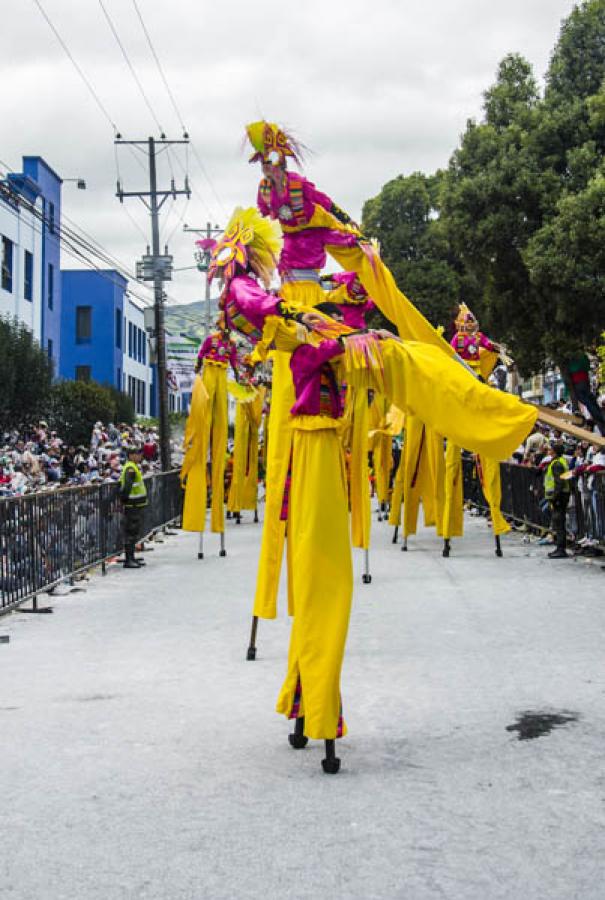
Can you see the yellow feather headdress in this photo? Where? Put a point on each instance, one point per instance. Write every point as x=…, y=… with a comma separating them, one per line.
x=249, y=239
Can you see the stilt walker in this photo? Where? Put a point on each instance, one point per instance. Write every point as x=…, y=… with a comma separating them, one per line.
x=315, y=503
x=309, y=219
x=481, y=354
x=206, y=434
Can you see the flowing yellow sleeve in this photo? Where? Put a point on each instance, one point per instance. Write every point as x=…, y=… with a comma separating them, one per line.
x=422, y=381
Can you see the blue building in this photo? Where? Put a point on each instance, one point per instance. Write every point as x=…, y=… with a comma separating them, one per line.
x=103, y=335
x=92, y=326
x=30, y=225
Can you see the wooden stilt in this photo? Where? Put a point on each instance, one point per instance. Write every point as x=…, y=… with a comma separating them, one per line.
x=251, y=654
x=366, y=577
x=297, y=739
x=331, y=764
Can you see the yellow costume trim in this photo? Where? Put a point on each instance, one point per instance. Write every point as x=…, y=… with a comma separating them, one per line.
x=321, y=218
x=243, y=393
x=315, y=423
x=359, y=481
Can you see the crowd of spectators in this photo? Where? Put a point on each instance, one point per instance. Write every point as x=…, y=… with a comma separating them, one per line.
x=586, y=463
x=38, y=459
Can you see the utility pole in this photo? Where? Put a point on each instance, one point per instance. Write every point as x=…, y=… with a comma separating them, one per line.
x=203, y=261
x=157, y=267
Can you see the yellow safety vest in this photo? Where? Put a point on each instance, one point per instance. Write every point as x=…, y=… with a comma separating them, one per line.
x=138, y=491
x=549, y=478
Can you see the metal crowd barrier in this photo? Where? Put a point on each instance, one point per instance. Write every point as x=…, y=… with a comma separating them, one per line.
x=523, y=499
x=50, y=536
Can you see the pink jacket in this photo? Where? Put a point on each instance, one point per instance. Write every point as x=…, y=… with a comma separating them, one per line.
x=218, y=350
x=304, y=248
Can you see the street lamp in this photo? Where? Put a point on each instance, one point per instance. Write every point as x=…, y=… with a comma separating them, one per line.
x=80, y=183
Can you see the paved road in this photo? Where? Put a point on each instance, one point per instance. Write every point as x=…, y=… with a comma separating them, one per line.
x=140, y=756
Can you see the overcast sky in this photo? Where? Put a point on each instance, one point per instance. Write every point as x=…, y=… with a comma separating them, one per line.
x=374, y=89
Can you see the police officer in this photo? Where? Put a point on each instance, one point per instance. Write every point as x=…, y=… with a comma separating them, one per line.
x=133, y=495
x=557, y=491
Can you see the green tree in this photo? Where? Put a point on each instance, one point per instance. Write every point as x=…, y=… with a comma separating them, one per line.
x=566, y=263
x=514, y=93
x=508, y=197
x=25, y=376
x=577, y=66
x=494, y=199
x=76, y=406
x=123, y=406
x=404, y=217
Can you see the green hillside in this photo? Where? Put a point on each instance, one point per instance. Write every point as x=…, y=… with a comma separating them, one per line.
x=188, y=318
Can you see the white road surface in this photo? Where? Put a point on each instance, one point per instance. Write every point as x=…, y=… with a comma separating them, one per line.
x=140, y=756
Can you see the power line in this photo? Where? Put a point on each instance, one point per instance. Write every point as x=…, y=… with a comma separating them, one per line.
x=130, y=66
x=178, y=112
x=73, y=242
x=74, y=252
x=89, y=86
x=178, y=221
x=84, y=78
x=208, y=179
x=119, y=179
x=160, y=69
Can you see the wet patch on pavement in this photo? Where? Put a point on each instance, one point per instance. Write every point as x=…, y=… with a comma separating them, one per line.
x=531, y=725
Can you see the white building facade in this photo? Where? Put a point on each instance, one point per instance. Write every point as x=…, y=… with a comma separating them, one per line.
x=21, y=260
x=137, y=373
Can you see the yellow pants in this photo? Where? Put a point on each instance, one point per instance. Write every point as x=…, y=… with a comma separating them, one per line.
x=278, y=460
x=244, y=481
x=319, y=552
x=397, y=495
x=489, y=472
x=381, y=445
x=453, y=517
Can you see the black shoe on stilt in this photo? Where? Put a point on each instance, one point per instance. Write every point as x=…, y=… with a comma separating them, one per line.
x=297, y=739
x=331, y=764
